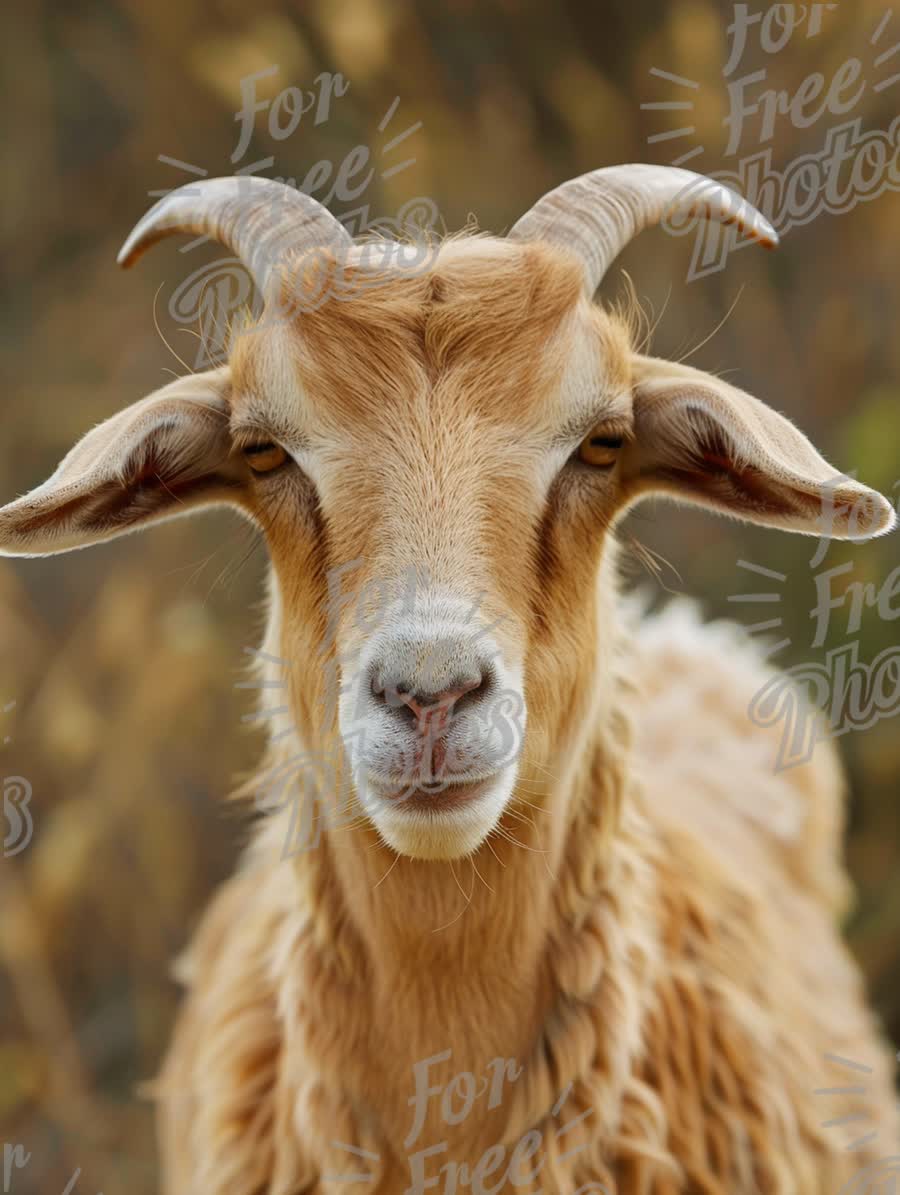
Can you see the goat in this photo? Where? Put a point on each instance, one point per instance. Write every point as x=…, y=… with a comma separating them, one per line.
x=646, y=960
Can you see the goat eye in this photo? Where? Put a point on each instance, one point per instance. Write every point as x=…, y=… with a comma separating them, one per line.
x=600, y=451
x=264, y=458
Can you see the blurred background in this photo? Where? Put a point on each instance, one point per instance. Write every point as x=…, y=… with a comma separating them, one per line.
x=122, y=661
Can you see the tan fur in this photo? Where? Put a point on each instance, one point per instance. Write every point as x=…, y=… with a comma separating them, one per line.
x=682, y=971
x=641, y=942
x=639, y=933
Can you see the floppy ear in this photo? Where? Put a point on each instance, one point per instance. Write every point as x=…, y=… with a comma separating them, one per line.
x=161, y=457
x=699, y=440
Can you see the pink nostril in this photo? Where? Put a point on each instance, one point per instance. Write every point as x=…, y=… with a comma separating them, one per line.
x=431, y=710
x=436, y=705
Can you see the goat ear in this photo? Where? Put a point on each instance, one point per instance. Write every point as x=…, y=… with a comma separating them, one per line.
x=161, y=457
x=699, y=440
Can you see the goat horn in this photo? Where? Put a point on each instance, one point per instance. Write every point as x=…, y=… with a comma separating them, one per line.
x=258, y=219
x=597, y=214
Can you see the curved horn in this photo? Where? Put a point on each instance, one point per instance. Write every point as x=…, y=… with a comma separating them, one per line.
x=258, y=219
x=596, y=215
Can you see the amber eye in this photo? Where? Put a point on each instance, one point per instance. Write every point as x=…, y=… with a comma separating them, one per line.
x=263, y=458
x=600, y=451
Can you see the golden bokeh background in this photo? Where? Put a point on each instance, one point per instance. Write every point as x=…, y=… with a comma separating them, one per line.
x=123, y=660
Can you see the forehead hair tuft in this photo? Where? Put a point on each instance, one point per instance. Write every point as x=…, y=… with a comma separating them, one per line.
x=486, y=309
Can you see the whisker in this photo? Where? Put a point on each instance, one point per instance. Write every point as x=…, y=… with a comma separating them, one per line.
x=654, y=561
x=493, y=852
x=387, y=873
x=658, y=319
x=716, y=329
x=521, y=800
x=533, y=763
x=480, y=876
x=504, y=833
x=159, y=331
x=463, y=909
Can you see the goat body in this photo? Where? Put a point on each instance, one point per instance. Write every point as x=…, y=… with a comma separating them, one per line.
x=606, y=960
x=664, y=973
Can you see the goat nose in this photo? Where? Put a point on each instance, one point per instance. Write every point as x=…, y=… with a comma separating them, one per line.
x=428, y=708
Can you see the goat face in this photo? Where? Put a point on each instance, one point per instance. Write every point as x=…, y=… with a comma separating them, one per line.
x=433, y=503
x=435, y=459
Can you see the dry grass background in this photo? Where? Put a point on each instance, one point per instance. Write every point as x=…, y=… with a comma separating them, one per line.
x=123, y=660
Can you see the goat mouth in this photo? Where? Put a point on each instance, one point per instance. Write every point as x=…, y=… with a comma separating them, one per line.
x=446, y=820
x=440, y=796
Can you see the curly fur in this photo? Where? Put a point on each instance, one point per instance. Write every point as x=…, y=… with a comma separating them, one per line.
x=678, y=973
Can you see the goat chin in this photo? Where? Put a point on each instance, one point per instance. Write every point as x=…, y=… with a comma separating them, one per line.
x=441, y=834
